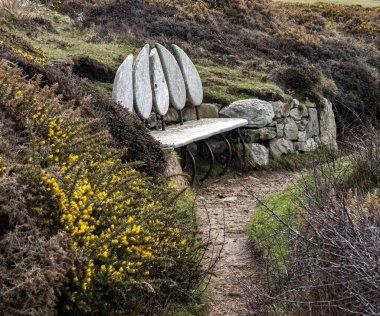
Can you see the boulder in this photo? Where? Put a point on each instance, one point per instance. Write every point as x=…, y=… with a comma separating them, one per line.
x=258, y=113
x=309, y=145
x=312, y=128
x=206, y=110
x=290, y=129
x=295, y=114
x=327, y=126
x=280, y=146
x=280, y=109
x=254, y=135
x=217, y=146
x=259, y=154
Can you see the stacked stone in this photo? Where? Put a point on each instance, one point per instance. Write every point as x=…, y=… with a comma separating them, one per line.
x=277, y=128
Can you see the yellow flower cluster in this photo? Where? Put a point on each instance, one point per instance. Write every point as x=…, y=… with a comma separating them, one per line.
x=39, y=58
x=2, y=168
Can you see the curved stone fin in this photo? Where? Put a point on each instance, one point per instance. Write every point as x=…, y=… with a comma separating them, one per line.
x=174, y=78
x=159, y=87
x=122, y=90
x=193, y=81
x=142, y=90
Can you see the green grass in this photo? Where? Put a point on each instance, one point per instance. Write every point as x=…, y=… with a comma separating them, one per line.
x=364, y=3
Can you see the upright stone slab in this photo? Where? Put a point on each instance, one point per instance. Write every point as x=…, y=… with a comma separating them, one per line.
x=141, y=84
x=122, y=91
x=159, y=86
x=327, y=126
x=190, y=75
x=173, y=76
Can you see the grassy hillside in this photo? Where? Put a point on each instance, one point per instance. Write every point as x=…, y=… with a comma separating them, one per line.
x=364, y=3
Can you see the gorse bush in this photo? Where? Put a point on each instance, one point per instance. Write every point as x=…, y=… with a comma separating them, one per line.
x=131, y=248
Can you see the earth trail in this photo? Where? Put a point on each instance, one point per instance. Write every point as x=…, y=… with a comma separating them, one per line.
x=225, y=209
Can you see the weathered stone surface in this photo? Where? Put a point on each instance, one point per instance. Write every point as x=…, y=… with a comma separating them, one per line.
x=280, y=146
x=295, y=114
x=174, y=78
x=280, y=129
x=302, y=136
x=310, y=104
x=206, y=110
x=122, y=91
x=190, y=75
x=158, y=82
x=258, y=113
x=327, y=126
x=217, y=146
x=191, y=131
x=172, y=116
x=303, y=110
x=294, y=104
x=290, y=129
x=259, y=154
x=312, y=128
x=302, y=124
x=142, y=89
x=309, y=145
x=254, y=135
x=280, y=109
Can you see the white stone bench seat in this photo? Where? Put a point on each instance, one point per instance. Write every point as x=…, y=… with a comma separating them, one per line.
x=191, y=131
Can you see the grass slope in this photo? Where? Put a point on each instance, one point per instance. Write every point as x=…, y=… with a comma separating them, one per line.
x=364, y=3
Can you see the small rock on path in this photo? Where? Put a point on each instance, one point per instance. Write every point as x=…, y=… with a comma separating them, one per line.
x=225, y=210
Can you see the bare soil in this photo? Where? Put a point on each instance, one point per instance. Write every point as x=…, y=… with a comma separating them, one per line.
x=225, y=209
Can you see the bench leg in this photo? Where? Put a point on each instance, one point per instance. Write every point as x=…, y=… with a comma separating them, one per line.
x=229, y=157
x=184, y=153
x=212, y=159
x=241, y=138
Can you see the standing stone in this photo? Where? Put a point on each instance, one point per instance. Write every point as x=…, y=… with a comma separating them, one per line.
x=191, y=76
x=158, y=82
x=174, y=78
x=259, y=153
x=142, y=89
x=312, y=128
x=280, y=146
x=254, y=135
x=327, y=126
x=122, y=91
x=295, y=114
x=290, y=129
x=258, y=113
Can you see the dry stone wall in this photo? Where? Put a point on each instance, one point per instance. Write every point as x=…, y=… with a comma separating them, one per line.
x=278, y=128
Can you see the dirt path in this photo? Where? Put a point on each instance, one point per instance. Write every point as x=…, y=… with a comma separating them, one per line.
x=225, y=209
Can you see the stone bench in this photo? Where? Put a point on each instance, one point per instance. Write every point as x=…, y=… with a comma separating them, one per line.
x=158, y=79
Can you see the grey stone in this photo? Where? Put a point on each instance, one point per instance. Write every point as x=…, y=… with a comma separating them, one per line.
x=327, y=126
x=122, y=91
x=295, y=114
x=280, y=129
x=142, y=90
x=302, y=136
x=217, y=146
x=272, y=124
x=309, y=145
x=152, y=120
x=190, y=75
x=172, y=116
x=259, y=154
x=258, y=113
x=294, y=104
x=254, y=135
x=312, y=128
x=290, y=129
x=158, y=82
x=280, y=109
x=302, y=124
x=310, y=104
x=303, y=110
x=174, y=78
x=280, y=146
x=206, y=110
